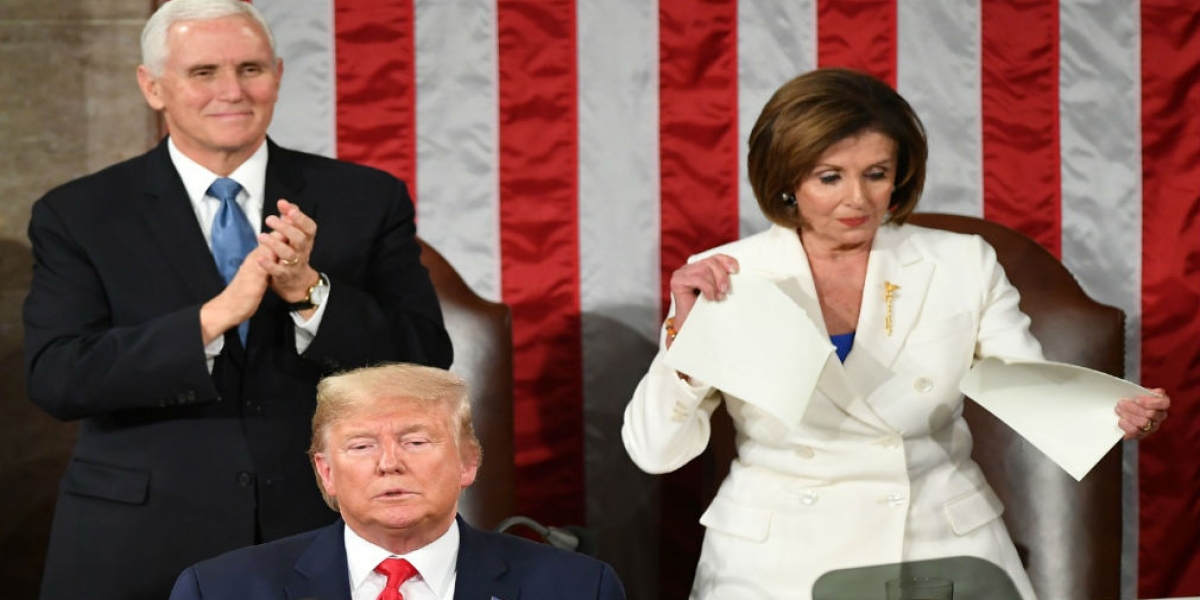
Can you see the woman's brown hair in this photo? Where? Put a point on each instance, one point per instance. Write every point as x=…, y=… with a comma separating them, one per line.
x=818, y=109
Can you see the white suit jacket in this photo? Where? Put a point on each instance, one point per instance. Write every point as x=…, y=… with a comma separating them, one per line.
x=878, y=469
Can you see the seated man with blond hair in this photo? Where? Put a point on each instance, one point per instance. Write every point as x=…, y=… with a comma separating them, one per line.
x=393, y=447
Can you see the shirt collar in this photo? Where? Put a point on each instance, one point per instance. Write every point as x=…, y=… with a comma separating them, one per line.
x=436, y=562
x=251, y=174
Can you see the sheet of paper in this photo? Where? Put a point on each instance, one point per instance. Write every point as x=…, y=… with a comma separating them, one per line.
x=756, y=344
x=1066, y=411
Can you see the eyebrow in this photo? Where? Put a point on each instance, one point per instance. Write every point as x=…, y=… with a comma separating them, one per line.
x=887, y=162
x=213, y=65
x=414, y=428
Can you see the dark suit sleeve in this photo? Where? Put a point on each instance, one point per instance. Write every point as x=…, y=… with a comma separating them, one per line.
x=187, y=587
x=388, y=311
x=79, y=362
x=610, y=586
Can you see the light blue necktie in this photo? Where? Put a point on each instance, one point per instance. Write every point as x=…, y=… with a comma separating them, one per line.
x=232, y=236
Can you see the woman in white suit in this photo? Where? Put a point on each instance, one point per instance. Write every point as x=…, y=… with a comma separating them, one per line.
x=878, y=470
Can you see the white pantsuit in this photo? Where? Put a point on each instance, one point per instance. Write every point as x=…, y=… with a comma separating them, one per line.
x=879, y=468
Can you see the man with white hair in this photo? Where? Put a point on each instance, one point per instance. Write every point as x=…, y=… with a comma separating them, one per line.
x=393, y=447
x=184, y=306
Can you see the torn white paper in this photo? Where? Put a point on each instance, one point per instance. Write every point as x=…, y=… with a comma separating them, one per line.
x=1066, y=411
x=756, y=344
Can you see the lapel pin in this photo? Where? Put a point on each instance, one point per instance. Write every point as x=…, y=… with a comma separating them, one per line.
x=889, y=292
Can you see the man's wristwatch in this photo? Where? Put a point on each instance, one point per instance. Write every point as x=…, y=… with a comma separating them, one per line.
x=315, y=297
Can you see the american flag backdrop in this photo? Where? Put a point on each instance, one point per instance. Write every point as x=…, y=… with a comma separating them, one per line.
x=567, y=155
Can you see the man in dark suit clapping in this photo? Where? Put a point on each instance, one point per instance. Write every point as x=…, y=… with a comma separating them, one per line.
x=184, y=306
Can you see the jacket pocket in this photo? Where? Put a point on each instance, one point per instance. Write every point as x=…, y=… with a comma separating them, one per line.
x=109, y=483
x=970, y=512
x=736, y=519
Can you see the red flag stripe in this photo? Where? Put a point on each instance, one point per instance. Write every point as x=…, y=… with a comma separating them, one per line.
x=1169, y=475
x=1022, y=175
x=698, y=135
x=859, y=35
x=539, y=242
x=376, y=83
x=698, y=148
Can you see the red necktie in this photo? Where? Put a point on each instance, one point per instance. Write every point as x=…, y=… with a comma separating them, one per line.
x=397, y=571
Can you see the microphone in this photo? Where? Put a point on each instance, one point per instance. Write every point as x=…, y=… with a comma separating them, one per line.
x=574, y=538
x=571, y=537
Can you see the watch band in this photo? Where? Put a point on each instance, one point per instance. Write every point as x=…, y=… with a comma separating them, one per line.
x=310, y=300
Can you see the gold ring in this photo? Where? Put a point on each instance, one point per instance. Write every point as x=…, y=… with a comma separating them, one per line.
x=291, y=263
x=1148, y=426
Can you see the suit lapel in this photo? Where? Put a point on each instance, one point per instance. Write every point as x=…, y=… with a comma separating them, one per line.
x=321, y=571
x=283, y=181
x=781, y=258
x=481, y=568
x=897, y=263
x=894, y=262
x=783, y=261
x=172, y=224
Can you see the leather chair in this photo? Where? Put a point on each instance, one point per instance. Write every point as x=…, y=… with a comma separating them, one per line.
x=1067, y=533
x=481, y=332
x=37, y=447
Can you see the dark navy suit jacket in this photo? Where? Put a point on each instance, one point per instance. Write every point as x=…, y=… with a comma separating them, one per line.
x=312, y=566
x=174, y=464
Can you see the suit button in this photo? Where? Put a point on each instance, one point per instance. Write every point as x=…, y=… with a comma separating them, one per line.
x=805, y=452
x=245, y=479
x=923, y=385
x=895, y=499
x=809, y=498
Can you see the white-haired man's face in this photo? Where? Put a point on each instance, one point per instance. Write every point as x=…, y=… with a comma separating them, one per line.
x=218, y=87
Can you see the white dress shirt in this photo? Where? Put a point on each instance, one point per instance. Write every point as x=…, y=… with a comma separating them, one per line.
x=436, y=565
x=251, y=175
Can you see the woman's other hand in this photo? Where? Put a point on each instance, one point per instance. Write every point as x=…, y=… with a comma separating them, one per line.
x=1143, y=415
x=708, y=277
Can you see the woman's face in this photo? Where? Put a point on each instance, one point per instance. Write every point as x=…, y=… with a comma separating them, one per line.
x=844, y=199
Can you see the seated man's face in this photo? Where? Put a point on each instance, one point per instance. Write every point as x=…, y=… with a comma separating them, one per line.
x=396, y=471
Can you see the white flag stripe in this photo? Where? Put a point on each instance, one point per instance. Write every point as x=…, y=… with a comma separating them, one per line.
x=619, y=161
x=938, y=70
x=1099, y=85
x=619, y=248
x=306, y=114
x=458, y=200
x=1101, y=149
x=776, y=42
